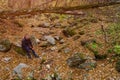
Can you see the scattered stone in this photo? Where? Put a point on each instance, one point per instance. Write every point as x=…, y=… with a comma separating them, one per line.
x=5, y=45
x=30, y=10
x=6, y=59
x=61, y=41
x=57, y=38
x=48, y=66
x=67, y=50
x=7, y=68
x=53, y=48
x=50, y=61
x=84, y=42
x=76, y=60
x=50, y=39
x=58, y=25
x=31, y=76
x=88, y=65
x=18, y=70
x=37, y=41
x=43, y=38
x=43, y=53
x=17, y=44
x=88, y=57
x=69, y=32
x=44, y=25
x=102, y=65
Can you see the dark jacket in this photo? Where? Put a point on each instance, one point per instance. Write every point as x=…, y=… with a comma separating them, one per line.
x=26, y=43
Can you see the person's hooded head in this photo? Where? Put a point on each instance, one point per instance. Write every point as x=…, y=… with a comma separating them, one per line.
x=27, y=36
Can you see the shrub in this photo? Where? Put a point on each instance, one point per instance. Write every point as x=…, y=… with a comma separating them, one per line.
x=95, y=48
x=117, y=49
x=117, y=67
x=113, y=33
x=100, y=56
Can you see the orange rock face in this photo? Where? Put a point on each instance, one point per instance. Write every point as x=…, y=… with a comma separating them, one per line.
x=23, y=4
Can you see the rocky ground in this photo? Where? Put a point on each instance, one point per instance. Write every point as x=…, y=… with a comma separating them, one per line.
x=60, y=41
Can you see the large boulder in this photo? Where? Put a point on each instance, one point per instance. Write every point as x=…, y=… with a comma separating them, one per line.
x=50, y=39
x=80, y=61
x=18, y=70
x=88, y=65
x=69, y=32
x=18, y=49
x=76, y=60
x=5, y=45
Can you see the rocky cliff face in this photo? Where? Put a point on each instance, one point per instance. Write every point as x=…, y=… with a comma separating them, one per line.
x=3, y=4
x=22, y=4
x=43, y=4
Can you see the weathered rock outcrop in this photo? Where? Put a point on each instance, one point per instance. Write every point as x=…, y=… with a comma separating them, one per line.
x=18, y=49
x=14, y=8
x=76, y=60
x=5, y=45
x=21, y=4
x=80, y=61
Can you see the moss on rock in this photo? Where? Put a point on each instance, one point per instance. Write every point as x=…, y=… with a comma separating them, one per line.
x=5, y=45
x=19, y=50
x=69, y=32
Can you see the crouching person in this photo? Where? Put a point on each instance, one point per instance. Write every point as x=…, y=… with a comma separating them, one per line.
x=28, y=47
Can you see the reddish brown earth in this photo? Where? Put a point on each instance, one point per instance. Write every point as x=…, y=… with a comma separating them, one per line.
x=8, y=29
